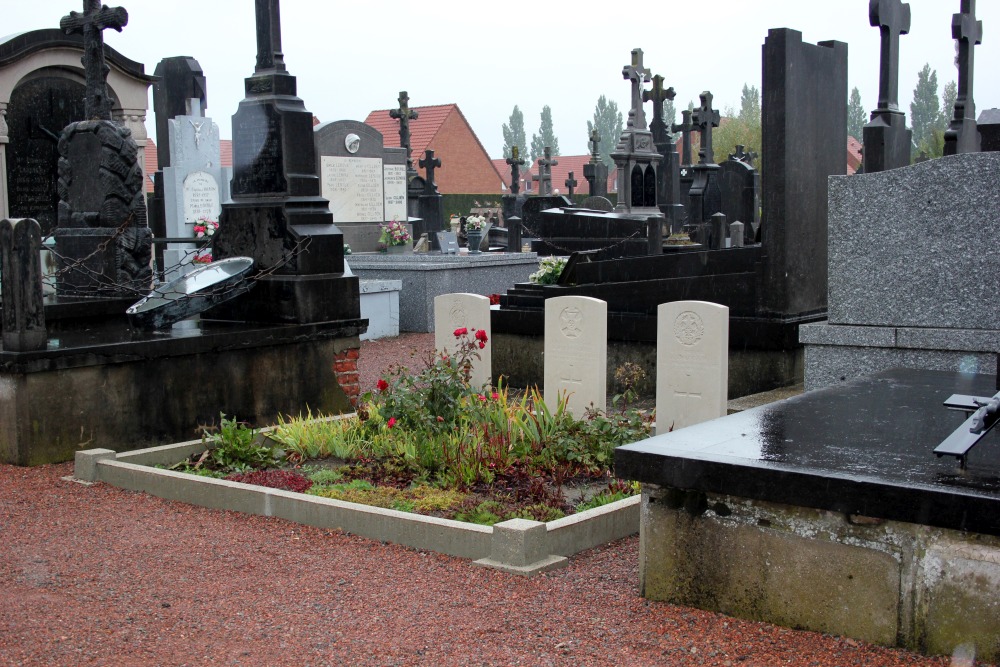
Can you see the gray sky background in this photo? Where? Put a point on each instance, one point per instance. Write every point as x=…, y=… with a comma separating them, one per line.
x=353, y=57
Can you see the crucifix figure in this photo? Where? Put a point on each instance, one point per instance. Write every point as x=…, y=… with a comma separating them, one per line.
x=544, y=175
x=429, y=163
x=685, y=128
x=658, y=95
x=571, y=184
x=962, y=135
x=705, y=118
x=92, y=23
x=638, y=75
x=515, y=162
x=269, y=55
x=595, y=140
x=404, y=115
x=892, y=17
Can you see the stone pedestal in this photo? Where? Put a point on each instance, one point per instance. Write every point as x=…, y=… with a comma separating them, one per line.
x=887, y=142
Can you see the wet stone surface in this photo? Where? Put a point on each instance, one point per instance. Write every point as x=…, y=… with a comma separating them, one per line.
x=863, y=448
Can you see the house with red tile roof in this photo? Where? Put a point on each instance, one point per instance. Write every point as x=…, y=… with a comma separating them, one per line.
x=466, y=167
x=853, y=155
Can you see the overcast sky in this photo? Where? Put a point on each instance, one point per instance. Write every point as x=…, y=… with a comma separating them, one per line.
x=354, y=57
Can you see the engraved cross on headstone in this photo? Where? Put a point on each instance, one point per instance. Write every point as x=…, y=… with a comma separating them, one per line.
x=269, y=55
x=92, y=23
x=429, y=163
x=658, y=95
x=892, y=17
x=962, y=136
x=544, y=175
x=705, y=118
x=638, y=75
x=685, y=128
x=515, y=162
x=571, y=184
x=595, y=140
x=404, y=114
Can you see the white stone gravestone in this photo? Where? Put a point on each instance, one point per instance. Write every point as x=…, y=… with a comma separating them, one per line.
x=576, y=352
x=471, y=311
x=195, y=185
x=692, y=363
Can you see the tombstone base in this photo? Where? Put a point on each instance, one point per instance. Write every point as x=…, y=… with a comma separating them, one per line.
x=101, y=262
x=887, y=142
x=294, y=300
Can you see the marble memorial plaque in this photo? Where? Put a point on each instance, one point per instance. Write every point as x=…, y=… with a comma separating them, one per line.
x=394, y=180
x=354, y=187
x=576, y=352
x=201, y=197
x=469, y=311
x=692, y=363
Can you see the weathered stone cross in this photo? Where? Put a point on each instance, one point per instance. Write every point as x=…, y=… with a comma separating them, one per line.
x=516, y=162
x=685, y=128
x=92, y=23
x=544, y=175
x=595, y=140
x=269, y=55
x=638, y=75
x=404, y=114
x=429, y=163
x=658, y=95
x=892, y=17
x=705, y=118
x=571, y=184
x=962, y=136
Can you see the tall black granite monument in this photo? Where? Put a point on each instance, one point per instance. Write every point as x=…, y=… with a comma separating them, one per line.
x=637, y=161
x=962, y=136
x=277, y=216
x=705, y=197
x=887, y=141
x=669, y=194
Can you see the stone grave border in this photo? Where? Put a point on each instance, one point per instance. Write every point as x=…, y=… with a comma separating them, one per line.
x=517, y=546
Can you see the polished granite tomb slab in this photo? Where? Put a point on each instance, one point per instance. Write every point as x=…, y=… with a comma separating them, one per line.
x=863, y=448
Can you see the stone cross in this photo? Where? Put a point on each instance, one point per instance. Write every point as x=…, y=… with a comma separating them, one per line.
x=571, y=184
x=685, y=128
x=892, y=17
x=658, y=95
x=595, y=139
x=269, y=55
x=404, y=114
x=429, y=163
x=544, y=175
x=638, y=75
x=705, y=118
x=516, y=162
x=743, y=155
x=92, y=23
x=962, y=136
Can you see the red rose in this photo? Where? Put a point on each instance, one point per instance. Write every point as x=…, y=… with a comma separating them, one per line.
x=481, y=336
x=382, y=385
x=391, y=422
x=495, y=396
x=461, y=332
x=481, y=345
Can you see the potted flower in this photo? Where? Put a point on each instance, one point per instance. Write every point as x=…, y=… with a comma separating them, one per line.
x=204, y=228
x=474, y=230
x=395, y=236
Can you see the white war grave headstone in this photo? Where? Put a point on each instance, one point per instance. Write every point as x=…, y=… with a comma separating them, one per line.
x=468, y=311
x=576, y=353
x=692, y=363
x=195, y=185
x=364, y=181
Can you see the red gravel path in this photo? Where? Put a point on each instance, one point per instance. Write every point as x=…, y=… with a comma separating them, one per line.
x=100, y=576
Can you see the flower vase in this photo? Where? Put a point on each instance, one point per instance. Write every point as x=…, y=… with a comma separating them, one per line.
x=475, y=240
x=396, y=249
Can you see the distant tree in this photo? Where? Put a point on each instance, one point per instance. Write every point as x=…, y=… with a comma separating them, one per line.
x=545, y=137
x=750, y=105
x=925, y=114
x=734, y=131
x=948, y=97
x=669, y=116
x=856, y=116
x=609, y=123
x=513, y=134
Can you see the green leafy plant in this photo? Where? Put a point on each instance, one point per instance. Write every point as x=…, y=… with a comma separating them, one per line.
x=549, y=270
x=235, y=447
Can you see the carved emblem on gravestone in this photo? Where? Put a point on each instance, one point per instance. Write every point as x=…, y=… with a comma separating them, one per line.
x=572, y=323
x=689, y=328
x=352, y=143
x=459, y=318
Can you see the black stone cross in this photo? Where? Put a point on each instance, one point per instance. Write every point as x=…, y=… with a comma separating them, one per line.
x=705, y=118
x=962, y=136
x=92, y=23
x=404, y=114
x=685, y=128
x=892, y=17
x=516, y=162
x=571, y=184
x=595, y=140
x=429, y=163
x=544, y=175
x=638, y=75
x=743, y=155
x=658, y=95
x=269, y=55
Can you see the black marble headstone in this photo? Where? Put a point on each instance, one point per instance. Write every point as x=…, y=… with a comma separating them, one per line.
x=180, y=79
x=21, y=287
x=739, y=184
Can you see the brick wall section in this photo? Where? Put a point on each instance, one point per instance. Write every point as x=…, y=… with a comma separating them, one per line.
x=465, y=166
x=345, y=366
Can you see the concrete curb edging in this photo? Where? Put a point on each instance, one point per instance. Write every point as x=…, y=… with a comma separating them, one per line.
x=517, y=546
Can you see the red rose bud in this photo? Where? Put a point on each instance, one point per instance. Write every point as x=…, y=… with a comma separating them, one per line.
x=391, y=422
x=382, y=385
x=461, y=332
x=481, y=335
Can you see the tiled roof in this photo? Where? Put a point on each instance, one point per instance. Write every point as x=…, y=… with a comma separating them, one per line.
x=152, y=158
x=853, y=155
x=422, y=130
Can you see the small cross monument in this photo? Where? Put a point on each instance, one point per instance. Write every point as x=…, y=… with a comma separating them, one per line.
x=429, y=163
x=404, y=114
x=638, y=75
x=685, y=128
x=706, y=118
x=571, y=184
x=92, y=23
x=544, y=175
x=962, y=135
x=595, y=172
x=658, y=95
x=516, y=162
x=887, y=141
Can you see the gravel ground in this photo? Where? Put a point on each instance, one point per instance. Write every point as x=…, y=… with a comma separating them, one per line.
x=100, y=576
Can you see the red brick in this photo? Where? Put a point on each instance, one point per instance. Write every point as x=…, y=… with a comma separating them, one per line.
x=345, y=366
